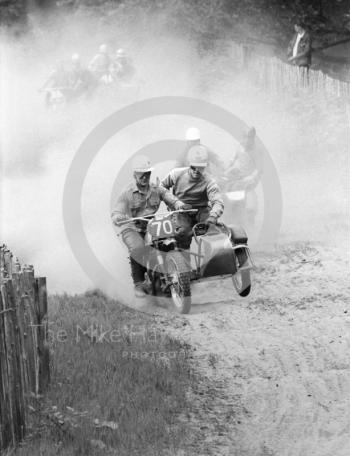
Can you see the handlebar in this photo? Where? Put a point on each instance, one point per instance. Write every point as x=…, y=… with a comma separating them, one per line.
x=202, y=228
x=146, y=218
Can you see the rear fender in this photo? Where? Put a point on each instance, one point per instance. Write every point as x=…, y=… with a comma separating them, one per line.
x=239, y=235
x=249, y=264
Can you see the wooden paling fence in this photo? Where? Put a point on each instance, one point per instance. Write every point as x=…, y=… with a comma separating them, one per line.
x=24, y=354
x=272, y=73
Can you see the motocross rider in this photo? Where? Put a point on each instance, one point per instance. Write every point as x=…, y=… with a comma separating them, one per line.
x=244, y=172
x=193, y=137
x=58, y=78
x=138, y=199
x=100, y=64
x=79, y=77
x=193, y=186
x=122, y=66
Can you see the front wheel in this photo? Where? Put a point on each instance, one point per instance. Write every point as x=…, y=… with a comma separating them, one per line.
x=241, y=279
x=179, y=275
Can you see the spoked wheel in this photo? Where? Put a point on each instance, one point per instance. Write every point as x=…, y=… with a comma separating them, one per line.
x=180, y=278
x=241, y=279
x=156, y=279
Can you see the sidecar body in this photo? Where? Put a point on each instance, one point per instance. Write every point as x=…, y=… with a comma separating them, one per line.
x=221, y=251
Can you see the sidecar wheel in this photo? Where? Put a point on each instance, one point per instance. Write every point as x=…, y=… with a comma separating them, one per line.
x=180, y=277
x=241, y=279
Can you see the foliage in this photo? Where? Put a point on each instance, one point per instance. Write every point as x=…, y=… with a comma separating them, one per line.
x=12, y=11
x=118, y=382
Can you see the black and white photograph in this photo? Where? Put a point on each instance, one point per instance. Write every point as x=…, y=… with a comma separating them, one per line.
x=174, y=227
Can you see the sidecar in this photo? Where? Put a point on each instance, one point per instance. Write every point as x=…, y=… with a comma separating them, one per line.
x=222, y=250
x=217, y=251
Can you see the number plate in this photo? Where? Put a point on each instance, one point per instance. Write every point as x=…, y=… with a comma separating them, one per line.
x=160, y=229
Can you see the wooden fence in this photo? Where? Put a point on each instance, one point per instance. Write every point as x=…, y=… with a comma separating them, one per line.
x=272, y=73
x=24, y=354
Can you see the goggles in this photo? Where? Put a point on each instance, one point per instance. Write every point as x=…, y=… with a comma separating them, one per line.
x=201, y=169
x=141, y=175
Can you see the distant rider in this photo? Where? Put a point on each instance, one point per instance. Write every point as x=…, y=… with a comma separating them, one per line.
x=79, y=77
x=245, y=170
x=100, y=65
x=122, y=66
x=58, y=78
x=140, y=198
x=193, y=186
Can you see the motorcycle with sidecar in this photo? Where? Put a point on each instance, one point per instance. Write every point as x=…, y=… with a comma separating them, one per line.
x=219, y=251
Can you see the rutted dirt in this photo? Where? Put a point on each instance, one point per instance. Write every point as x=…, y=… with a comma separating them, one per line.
x=276, y=365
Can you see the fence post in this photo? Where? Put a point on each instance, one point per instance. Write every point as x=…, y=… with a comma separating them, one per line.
x=24, y=354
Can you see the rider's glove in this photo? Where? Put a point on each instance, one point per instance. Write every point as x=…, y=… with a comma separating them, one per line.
x=180, y=205
x=211, y=220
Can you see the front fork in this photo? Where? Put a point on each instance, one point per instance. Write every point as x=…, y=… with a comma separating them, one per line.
x=158, y=268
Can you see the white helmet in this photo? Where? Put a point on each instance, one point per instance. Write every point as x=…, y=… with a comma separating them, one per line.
x=141, y=164
x=120, y=53
x=198, y=155
x=193, y=134
x=103, y=49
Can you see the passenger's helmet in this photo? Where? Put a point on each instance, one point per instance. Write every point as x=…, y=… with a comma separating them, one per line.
x=120, y=53
x=75, y=58
x=198, y=156
x=141, y=164
x=103, y=49
x=193, y=134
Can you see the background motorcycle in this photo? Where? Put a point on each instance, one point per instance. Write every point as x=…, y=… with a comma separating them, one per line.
x=55, y=98
x=239, y=199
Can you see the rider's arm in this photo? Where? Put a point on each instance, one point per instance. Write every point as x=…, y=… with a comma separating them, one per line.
x=215, y=199
x=233, y=163
x=120, y=210
x=252, y=180
x=93, y=62
x=307, y=47
x=49, y=80
x=291, y=46
x=168, y=180
x=167, y=196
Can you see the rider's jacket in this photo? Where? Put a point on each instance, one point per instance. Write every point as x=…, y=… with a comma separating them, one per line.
x=78, y=77
x=246, y=165
x=134, y=202
x=58, y=78
x=199, y=193
x=123, y=68
x=100, y=64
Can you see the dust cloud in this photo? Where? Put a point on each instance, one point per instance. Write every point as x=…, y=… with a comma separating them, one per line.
x=39, y=146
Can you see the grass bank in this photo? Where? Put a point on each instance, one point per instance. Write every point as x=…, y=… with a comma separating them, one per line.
x=118, y=383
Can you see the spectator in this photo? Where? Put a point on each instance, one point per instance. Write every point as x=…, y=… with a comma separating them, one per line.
x=299, y=49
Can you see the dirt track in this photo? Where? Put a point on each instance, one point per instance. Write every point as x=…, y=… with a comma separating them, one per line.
x=276, y=364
